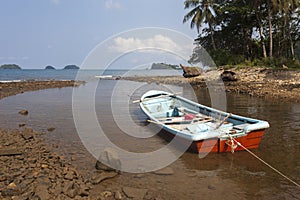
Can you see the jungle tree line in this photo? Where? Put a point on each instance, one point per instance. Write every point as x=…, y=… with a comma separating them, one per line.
x=246, y=29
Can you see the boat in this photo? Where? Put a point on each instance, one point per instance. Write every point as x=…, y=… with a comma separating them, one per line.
x=208, y=129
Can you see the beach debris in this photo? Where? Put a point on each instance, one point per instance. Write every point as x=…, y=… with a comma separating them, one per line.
x=191, y=71
x=23, y=112
x=10, y=152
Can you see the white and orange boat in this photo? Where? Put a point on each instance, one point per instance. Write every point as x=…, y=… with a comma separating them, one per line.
x=208, y=129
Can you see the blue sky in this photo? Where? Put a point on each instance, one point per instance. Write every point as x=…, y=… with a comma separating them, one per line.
x=37, y=33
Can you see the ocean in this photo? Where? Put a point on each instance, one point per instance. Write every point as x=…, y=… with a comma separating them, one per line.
x=41, y=74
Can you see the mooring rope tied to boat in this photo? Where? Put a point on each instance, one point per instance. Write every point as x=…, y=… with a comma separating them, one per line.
x=264, y=162
x=254, y=155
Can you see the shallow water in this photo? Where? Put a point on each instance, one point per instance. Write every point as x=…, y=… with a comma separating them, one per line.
x=226, y=176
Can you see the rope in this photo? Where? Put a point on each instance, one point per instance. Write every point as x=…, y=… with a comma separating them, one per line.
x=233, y=147
x=264, y=162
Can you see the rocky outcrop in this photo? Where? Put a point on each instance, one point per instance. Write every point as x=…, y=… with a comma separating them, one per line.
x=191, y=71
x=228, y=76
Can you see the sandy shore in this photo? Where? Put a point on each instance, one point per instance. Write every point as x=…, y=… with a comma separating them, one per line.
x=283, y=85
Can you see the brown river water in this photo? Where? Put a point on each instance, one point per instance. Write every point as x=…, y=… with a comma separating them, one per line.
x=216, y=176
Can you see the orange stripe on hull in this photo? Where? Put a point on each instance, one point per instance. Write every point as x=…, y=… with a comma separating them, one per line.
x=250, y=141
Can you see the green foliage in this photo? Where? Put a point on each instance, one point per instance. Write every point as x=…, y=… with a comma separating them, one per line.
x=277, y=63
x=10, y=66
x=71, y=67
x=240, y=32
x=223, y=57
x=49, y=67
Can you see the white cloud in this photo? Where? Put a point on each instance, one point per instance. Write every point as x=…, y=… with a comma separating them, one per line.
x=56, y=2
x=156, y=42
x=110, y=4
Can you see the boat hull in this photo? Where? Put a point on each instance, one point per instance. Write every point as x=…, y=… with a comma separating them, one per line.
x=249, y=141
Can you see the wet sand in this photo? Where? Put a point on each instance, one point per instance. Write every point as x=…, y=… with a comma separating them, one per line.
x=282, y=85
x=13, y=88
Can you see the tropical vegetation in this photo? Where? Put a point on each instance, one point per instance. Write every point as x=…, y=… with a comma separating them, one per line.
x=258, y=32
x=10, y=66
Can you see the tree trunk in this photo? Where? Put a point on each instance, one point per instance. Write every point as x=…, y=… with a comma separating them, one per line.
x=212, y=36
x=270, y=30
x=260, y=28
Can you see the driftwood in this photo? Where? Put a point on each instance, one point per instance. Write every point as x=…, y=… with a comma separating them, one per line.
x=10, y=152
x=191, y=71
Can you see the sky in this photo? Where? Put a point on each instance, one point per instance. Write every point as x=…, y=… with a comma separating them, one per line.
x=37, y=33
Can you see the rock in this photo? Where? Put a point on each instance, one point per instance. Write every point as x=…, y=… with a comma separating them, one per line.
x=23, y=112
x=71, y=189
x=228, y=76
x=134, y=192
x=9, y=192
x=118, y=195
x=41, y=191
x=165, y=171
x=27, y=135
x=106, y=194
x=44, y=166
x=191, y=71
x=12, y=186
x=103, y=176
x=22, y=124
x=110, y=157
x=50, y=129
x=211, y=187
x=69, y=175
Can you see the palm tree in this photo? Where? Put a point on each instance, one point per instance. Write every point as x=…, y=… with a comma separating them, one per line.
x=202, y=12
x=286, y=8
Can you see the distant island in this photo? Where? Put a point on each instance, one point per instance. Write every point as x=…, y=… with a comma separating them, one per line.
x=49, y=67
x=71, y=67
x=10, y=66
x=164, y=66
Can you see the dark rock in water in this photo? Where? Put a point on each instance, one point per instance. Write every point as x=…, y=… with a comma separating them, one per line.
x=50, y=129
x=110, y=157
x=134, y=192
x=191, y=71
x=23, y=112
x=229, y=76
x=22, y=124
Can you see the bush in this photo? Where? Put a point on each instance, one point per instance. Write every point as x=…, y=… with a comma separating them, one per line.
x=222, y=57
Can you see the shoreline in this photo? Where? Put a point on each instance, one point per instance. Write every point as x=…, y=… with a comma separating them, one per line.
x=10, y=88
x=278, y=85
